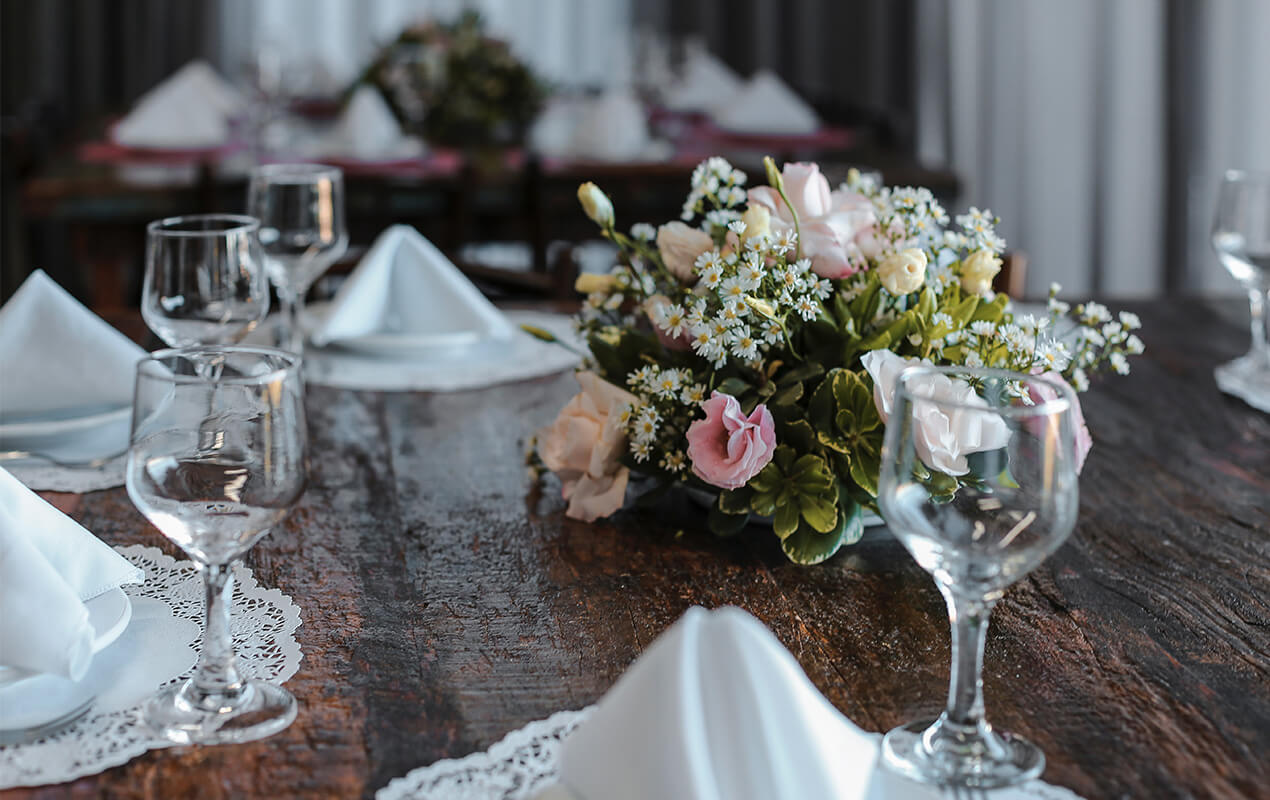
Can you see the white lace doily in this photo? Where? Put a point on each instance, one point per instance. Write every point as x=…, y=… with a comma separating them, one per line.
x=263, y=625
x=523, y=764
x=49, y=478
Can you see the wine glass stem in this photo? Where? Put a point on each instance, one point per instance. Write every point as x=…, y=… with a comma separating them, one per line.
x=969, y=618
x=1257, y=311
x=290, y=337
x=216, y=675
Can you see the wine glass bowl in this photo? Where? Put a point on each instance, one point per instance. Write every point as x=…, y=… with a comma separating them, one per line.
x=1241, y=239
x=204, y=279
x=302, y=231
x=978, y=482
x=218, y=457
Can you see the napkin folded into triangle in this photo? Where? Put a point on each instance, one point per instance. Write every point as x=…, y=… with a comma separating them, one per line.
x=50, y=565
x=58, y=358
x=707, y=82
x=367, y=130
x=190, y=109
x=766, y=105
x=613, y=127
x=716, y=708
x=406, y=287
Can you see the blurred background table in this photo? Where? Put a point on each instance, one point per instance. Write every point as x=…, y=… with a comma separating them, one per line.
x=446, y=600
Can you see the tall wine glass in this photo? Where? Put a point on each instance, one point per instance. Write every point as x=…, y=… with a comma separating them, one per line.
x=980, y=486
x=218, y=457
x=301, y=213
x=205, y=279
x=1241, y=237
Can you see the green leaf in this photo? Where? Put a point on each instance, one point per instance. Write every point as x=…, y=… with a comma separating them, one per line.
x=808, y=546
x=768, y=479
x=735, y=501
x=926, y=305
x=799, y=434
x=800, y=373
x=866, y=461
x=722, y=523
x=991, y=312
x=785, y=520
x=733, y=386
x=819, y=512
x=833, y=442
x=850, y=518
x=963, y=311
x=609, y=361
x=783, y=458
x=820, y=408
x=854, y=398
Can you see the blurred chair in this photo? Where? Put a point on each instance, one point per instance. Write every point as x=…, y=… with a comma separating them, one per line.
x=1012, y=279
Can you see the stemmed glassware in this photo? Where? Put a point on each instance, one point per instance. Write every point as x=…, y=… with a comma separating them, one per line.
x=980, y=486
x=205, y=279
x=217, y=458
x=1241, y=237
x=301, y=213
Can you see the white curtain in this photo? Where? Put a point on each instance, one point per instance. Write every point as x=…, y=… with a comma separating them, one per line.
x=567, y=42
x=1056, y=116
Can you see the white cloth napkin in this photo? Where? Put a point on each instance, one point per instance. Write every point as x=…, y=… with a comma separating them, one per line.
x=367, y=130
x=57, y=356
x=766, y=105
x=190, y=109
x=707, y=83
x=406, y=287
x=717, y=709
x=49, y=565
x=613, y=127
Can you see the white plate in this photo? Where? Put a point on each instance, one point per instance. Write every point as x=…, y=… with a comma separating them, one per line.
x=406, y=344
x=108, y=614
x=62, y=423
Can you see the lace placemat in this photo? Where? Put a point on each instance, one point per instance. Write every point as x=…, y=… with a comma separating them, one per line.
x=263, y=626
x=523, y=764
x=50, y=478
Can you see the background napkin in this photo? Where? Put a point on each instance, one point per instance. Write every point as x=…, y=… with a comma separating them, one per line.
x=56, y=355
x=766, y=105
x=49, y=565
x=191, y=109
x=404, y=285
x=707, y=82
x=367, y=130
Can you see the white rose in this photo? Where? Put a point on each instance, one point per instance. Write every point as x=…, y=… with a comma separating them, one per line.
x=903, y=272
x=758, y=221
x=978, y=270
x=680, y=245
x=947, y=429
x=596, y=204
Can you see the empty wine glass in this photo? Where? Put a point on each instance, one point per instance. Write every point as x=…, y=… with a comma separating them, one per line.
x=301, y=213
x=205, y=279
x=980, y=486
x=218, y=457
x=1241, y=237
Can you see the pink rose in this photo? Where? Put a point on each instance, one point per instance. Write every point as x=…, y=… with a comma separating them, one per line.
x=1041, y=394
x=726, y=448
x=679, y=246
x=831, y=222
x=582, y=447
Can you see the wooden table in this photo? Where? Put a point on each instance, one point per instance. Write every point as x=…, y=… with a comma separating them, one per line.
x=447, y=601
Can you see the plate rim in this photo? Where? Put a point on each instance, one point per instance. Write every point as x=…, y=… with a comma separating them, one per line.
x=46, y=428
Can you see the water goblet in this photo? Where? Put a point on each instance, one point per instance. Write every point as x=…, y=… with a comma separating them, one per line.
x=1241, y=238
x=205, y=280
x=978, y=481
x=217, y=458
x=301, y=213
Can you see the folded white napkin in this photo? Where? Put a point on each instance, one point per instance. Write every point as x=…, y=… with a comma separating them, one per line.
x=368, y=131
x=766, y=105
x=49, y=565
x=406, y=287
x=190, y=109
x=707, y=82
x=57, y=357
x=613, y=127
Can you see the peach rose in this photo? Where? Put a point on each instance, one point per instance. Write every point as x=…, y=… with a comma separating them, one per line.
x=831, y=222
x=680, y=245
x=582, y=447
x=727, y=448
x=1042, y=394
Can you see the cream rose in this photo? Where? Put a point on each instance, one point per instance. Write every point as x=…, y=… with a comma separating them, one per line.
x=758, y=221
x=978, y=270
x=903, y=272
x=582, y=447
x=679, y=246
x=596, y=204
x=589, y=282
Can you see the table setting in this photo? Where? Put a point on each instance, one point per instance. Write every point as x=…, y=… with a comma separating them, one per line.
x=489, y=520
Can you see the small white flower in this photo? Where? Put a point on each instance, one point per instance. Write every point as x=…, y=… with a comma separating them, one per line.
x=750, y=275
x=743, y=344
x=1092, y=313
x=915, y=339
x=1133, y=345
x=693, y=395
x=973, y=359
x=1058, y=307
x=733, y=287
x=1119, y=363
x=641, y=450
x=643, y=232
x=807, y=308
x=668, y=383
x=737, y=227
x=712, y=275
x=942, y=319
x=1113, y=331
x=785, y=241
x=671, y=319
x=673, y=461
x=979, y=328
x=1130, y=321
x=772, y=332
x=822, y=289
x=1080, y=381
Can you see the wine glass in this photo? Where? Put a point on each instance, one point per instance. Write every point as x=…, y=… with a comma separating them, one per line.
x=980, y=486
x=1241, y=237
x=205, y=279
x=218, y=457
x=301, y=213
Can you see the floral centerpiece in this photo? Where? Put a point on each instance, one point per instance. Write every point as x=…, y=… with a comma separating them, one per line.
x=751, y=348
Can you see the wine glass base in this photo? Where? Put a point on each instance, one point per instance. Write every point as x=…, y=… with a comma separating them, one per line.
x=259, y=710
x=1248, y=378
x=1009, y=760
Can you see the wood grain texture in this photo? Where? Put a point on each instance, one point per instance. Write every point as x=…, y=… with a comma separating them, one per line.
x=446, y=600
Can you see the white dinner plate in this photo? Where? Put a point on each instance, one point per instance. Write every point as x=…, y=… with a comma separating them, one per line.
x=108, y=614
x=407, y=344
x=62, y=423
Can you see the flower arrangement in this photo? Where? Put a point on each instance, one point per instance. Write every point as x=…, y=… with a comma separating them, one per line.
x=455, y=85
x=751, y=348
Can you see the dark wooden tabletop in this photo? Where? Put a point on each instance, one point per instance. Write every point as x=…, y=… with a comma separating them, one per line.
x=446, y=600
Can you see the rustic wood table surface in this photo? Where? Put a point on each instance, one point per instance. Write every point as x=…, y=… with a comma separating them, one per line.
x=446, y=600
